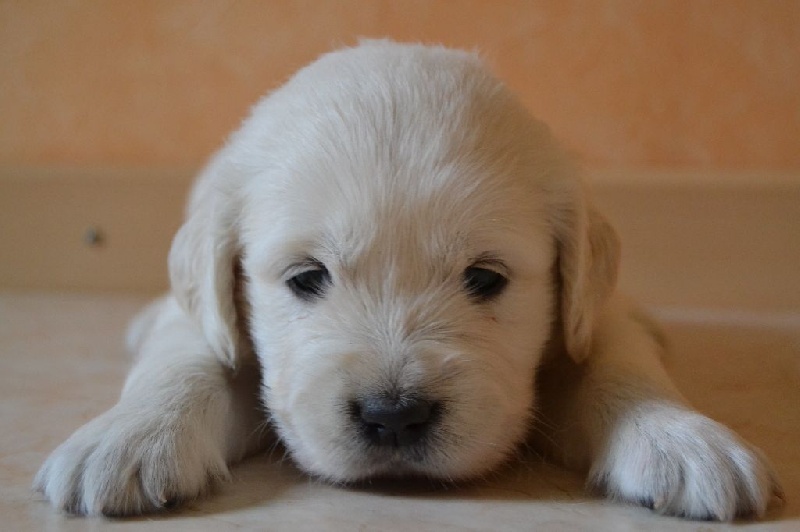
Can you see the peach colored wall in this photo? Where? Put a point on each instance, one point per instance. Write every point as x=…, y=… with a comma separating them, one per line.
x=625, y=83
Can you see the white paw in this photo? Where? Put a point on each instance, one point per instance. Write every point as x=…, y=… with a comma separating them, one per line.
x=681, y=463
x=127, y=462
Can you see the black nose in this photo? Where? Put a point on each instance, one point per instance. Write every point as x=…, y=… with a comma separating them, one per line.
x=394, y=422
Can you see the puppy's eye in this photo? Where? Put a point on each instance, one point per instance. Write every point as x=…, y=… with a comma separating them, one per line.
x=483, y=284
x=310, y=284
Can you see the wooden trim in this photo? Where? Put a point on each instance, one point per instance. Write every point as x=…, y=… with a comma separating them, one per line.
x=690, y=239
x=45, y=214
x=708, y=243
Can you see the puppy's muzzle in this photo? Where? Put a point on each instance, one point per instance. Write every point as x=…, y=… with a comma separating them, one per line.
x=394, y=422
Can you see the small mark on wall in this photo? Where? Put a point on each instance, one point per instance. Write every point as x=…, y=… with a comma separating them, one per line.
x=94, y=237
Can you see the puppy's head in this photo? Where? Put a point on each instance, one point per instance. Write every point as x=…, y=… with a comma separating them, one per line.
x=407, y=239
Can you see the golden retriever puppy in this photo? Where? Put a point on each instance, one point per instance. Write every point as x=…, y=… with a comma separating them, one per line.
x=395, y=265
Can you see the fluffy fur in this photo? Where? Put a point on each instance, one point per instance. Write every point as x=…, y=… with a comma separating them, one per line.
x=397, y=169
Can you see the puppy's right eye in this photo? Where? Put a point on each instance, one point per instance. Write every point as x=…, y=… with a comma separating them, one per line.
x=310, y=284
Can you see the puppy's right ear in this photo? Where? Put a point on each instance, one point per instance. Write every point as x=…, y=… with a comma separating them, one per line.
x=202, y=261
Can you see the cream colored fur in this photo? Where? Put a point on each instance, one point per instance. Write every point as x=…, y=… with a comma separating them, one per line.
x=397, y=168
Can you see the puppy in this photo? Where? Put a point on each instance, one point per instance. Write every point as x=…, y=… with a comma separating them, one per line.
x=399, y=269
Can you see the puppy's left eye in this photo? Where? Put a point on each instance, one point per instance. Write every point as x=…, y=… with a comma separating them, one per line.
x=310, y=284
x=484, y=284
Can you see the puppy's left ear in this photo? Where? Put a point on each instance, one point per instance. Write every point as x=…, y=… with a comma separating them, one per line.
x=203, y=261
x=588, y=261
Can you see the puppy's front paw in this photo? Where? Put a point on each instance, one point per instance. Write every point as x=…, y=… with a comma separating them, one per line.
x=128, y=462
x=681, y=463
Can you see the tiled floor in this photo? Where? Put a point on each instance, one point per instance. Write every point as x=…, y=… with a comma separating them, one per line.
x=62, y=363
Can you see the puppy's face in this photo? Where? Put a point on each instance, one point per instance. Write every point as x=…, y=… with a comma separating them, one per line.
x=400, y=283
x=399, y=219
x=398, y=325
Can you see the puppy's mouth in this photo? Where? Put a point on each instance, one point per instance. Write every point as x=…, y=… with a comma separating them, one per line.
x=349, y=433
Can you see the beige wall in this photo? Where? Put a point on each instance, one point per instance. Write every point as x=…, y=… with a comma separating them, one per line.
x=625, y=83
x=687, y=112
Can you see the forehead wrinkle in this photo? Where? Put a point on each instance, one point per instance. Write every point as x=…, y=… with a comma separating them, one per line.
x=392, y=253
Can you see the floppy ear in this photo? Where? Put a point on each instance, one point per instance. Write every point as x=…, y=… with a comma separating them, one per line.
x=203, y=261
x=588, y=260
